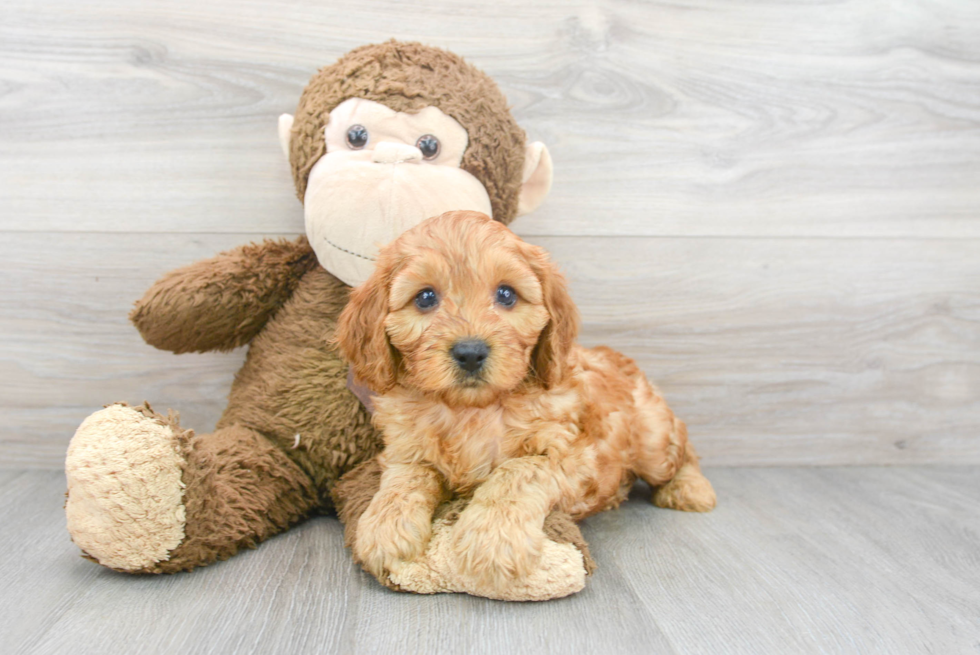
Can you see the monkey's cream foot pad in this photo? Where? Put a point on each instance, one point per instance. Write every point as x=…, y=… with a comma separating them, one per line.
x=124, y=462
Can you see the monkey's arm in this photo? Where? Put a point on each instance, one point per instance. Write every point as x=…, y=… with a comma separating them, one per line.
x=222, y=302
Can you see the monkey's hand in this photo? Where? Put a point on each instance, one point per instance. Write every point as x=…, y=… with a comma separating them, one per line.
x=494, y=546
x=499, y=536
x=222, y=302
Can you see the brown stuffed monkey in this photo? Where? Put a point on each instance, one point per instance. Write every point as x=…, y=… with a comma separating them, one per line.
x=389, y=135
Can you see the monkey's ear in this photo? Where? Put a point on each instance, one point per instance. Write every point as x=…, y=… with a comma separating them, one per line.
x=537, y=178
x=285, y=131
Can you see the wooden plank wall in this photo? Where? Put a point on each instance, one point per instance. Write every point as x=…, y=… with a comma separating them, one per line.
x=774, y=206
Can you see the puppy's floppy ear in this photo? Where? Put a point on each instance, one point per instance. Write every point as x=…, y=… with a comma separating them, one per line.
x=550, y=357
x=361, y=332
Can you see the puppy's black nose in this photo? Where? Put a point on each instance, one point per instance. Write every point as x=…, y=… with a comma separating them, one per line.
x=470, y=354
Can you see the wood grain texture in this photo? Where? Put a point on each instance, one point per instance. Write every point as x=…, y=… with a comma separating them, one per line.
x=775, y=351
x=848, y=560
x=773, y=206
x=697, y=118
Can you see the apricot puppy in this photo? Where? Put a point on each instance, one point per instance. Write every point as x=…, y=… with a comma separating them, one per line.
x=467, y=334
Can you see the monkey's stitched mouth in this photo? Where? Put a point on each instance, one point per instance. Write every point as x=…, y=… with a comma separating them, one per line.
x=349, y=252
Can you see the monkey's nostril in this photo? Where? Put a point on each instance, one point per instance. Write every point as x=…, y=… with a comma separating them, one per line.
x=470, y=354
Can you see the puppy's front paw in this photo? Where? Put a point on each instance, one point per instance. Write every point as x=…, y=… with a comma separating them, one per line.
x=387, y=537
x=561, y=570
x=494, y=549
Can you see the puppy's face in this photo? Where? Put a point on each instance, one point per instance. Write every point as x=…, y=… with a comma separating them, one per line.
x=465, y=312
x=465, y=308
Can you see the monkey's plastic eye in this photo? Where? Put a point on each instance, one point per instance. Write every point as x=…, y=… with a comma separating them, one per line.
x=426, y=299
x=506, y=296
x=357, y=137
x=429, y=145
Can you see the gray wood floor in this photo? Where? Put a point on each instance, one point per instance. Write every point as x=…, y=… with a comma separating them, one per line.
x=794, y=560
x=774, y=206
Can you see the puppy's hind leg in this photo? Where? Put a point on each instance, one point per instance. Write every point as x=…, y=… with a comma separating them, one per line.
x=664, y=459
x=689, y=490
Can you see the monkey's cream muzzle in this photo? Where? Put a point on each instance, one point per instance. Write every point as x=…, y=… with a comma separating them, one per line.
x=365, y=192
x=354, y=205
x=361, y=197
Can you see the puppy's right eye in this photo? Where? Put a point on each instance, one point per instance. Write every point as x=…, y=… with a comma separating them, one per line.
x=506, y=296
x=426, y=299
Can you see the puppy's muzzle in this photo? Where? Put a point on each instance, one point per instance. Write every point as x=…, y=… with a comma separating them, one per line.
x=470, y=354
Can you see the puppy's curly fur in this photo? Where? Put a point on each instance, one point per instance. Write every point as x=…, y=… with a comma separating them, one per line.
x=537, y=423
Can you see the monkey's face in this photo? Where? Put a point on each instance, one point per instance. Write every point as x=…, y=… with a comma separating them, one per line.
x=383, y=173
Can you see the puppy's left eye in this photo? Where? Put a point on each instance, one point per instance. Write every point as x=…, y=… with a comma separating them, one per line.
x=506, y=296
x=426, y=299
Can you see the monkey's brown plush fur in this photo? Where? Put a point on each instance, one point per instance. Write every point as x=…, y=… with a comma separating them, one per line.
x=148, y=496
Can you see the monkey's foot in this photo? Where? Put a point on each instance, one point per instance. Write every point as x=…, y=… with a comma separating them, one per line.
x=125, y=493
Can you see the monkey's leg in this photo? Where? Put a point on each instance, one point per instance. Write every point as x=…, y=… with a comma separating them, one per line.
x=146, y=496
